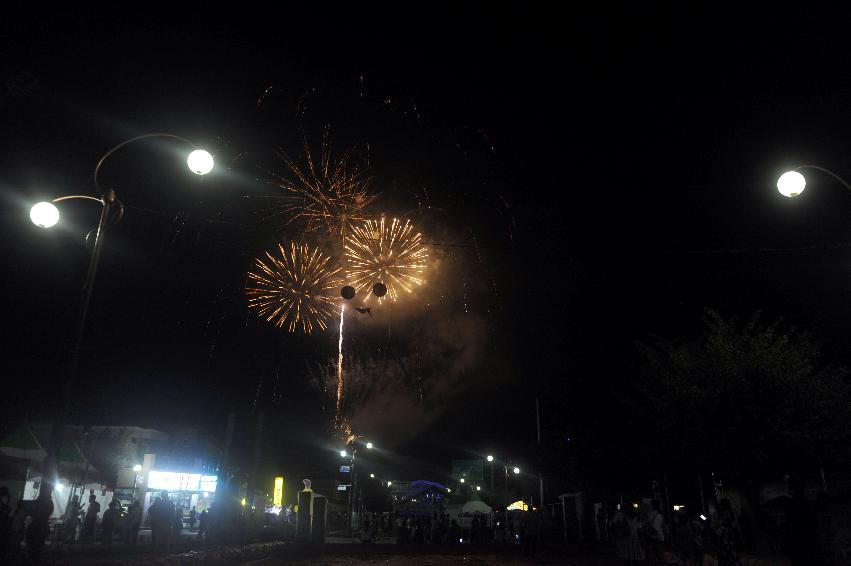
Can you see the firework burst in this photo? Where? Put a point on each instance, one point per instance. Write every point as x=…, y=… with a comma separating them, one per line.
x=294, y=288
x=388, y=252
x=329, y=195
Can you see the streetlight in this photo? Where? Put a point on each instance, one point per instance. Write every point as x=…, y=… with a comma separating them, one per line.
x=478, y=488
x=354, y=483
x=516, y=470
x=792, y=183
x=46, y=215
x=372, y=475
x=506, y=463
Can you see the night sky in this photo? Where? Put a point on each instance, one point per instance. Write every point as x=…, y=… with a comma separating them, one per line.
x=588, y=180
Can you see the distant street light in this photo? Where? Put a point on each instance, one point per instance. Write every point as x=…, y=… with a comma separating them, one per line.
x=343, y=453
x=792, y=183
x=516, y=470
x=369, y=445
x=46, y=215
x=462, y=480
x=389, y=483
x=372, y=475
x=478, y=488
x=506, y=464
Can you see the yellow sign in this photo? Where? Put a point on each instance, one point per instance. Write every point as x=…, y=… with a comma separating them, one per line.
x=518, y=506
x=278, y=499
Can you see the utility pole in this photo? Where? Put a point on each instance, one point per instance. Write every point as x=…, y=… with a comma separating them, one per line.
x=540, y=453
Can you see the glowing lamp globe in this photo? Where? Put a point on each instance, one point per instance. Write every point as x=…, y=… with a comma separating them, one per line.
x=137, y=468
x=343, y=453
x=791, y=184
x=490, y=458
x=369, y=445
x=200, y=162
x=516, y=470
x=44, y=215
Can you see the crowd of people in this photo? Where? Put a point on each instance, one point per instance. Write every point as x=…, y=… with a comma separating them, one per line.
x=441, y=529
x=647, y=538
x=84, y=522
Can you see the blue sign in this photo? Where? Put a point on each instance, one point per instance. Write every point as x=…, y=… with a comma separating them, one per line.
x=345, y=469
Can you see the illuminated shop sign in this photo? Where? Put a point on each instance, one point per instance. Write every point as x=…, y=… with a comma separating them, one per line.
x=176, y=481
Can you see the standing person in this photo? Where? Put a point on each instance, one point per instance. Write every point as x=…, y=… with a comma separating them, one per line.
x=18, y=527
x=162, y=517
x=177, y=525
x=532, y=533
x=454, y=532
x=107, y=525
x=91, y=518
x=5, y=520
x=118, y=506
x=372, y=532
x=474, y=529
x=627, y=532
x=133, y=522
x=801, y=530
x=202, y=524
x=726, y=533
x=192, y=515
x=153, y=522
x=654, y=532
x=695, y=537
x=72, y=518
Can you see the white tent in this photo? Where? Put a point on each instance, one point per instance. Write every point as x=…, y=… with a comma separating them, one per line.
x=60, y=495
x=476, y=507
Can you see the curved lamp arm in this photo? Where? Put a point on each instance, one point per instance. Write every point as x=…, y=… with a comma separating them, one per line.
x=828, y=171
x=108, y=198
x=131, y=140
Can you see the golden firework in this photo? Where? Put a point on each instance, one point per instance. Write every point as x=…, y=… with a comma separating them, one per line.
x=295, y=288
x=388, y=252
x=330, y=194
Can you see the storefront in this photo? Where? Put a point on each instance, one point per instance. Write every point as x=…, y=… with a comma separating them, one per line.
x=185, y=490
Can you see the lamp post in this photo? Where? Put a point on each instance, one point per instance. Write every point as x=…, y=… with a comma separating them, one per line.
x=792, y=183
x=354, y=485
x=506, y=464
x=46, y=215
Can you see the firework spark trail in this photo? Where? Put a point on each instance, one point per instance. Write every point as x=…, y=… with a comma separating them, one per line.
x=391, y=253
x=339, y=416
x=296, y=288
x=329, y=194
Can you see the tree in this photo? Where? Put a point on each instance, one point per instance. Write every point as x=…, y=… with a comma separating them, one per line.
x=746, y=399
